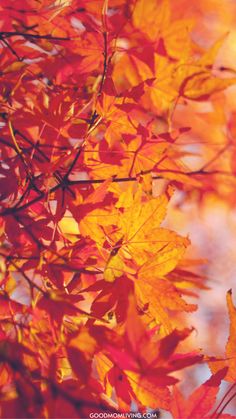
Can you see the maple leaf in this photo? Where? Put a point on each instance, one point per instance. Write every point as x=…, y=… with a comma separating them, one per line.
x=200, y=402
x=149, y=377
x=151, y=18
x=137, y=228
x=230, y=359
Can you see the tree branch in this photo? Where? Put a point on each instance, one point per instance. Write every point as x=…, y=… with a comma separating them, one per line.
x=35, y=36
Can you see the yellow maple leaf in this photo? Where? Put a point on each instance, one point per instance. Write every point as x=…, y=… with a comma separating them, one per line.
x=151, y=17
x=147, y=392
x=161, y=297
x=137, y=243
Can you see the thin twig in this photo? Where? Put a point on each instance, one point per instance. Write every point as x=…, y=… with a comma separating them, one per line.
x=223, y=399
x=225, y=405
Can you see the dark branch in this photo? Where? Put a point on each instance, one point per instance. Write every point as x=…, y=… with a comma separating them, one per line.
x=35, y=36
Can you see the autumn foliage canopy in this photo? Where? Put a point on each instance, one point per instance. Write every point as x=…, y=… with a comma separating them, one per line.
x=109, y=110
